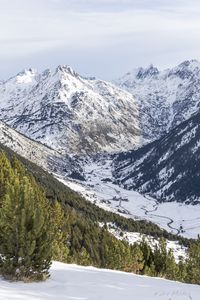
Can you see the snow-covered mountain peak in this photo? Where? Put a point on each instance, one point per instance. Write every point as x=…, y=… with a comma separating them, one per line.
x=189, y=64
x=140, y=74
x=68, y=112
x=185, y=70
x=147, y=72
x=66, y=69
x=164, y=98
x=22, y=79
x=26, y=76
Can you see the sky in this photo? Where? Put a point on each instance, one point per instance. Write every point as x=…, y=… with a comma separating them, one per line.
x=102, y=38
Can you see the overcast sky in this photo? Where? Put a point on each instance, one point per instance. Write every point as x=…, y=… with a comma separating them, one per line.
x=103, y=38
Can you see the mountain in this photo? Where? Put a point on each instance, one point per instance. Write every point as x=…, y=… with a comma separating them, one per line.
x=41, y=162
x=45, y=157
x=167, y=169
x=69, y=113
x=93, y=180
x=164, y=98
x=94, y=187
x=84, y=219
x=76, y=282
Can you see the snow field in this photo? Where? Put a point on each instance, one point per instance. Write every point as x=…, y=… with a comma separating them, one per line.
x=88, y=283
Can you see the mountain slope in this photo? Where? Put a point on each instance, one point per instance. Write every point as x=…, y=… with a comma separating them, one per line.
x=83, y=230
x=45, y=157
x=72, y=202
x=164, y=98
x=168, y=169
x=75, y=282
x=69, y=113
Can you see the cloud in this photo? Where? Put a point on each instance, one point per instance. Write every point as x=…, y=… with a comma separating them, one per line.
x=94, y=33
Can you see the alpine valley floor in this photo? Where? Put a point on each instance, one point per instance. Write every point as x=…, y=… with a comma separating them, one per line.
x=98, y=188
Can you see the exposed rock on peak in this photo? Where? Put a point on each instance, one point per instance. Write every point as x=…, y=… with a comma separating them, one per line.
x=147, y=72
x=164, y=98
x=63, y=110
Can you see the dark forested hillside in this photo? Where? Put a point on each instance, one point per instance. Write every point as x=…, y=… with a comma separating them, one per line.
x=167, y=169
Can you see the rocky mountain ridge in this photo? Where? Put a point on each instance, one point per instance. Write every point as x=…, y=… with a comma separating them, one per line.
x=69, y=113
x=164, y=98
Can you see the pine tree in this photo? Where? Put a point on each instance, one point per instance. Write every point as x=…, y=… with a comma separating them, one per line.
x=182, y=269
x=193, y=266
x=25, y=232
x=137, y=260
x=6, y=174
x=172, y=268
x=160, y=257
x=60, y=232
x=147, y=257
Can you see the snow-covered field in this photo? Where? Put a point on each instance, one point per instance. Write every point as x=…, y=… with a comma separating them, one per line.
x=88, y=283
x=98, y=188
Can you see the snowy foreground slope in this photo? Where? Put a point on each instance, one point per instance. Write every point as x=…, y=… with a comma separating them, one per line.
x=81, y=283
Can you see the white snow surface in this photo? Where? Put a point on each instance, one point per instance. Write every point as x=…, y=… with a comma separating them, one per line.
x=88, y=283
x=174, y=217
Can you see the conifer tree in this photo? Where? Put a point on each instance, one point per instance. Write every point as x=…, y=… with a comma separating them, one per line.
x=25, y=232
x=60, y=250
x=193, y=268
x=160, y=257
x=6, y=175
x=138, y=259
x=147, y=252
x=182, y=269
x=172, y=268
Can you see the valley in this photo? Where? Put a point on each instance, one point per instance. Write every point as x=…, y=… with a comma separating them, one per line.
x=98, y=188
x=156, y=182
